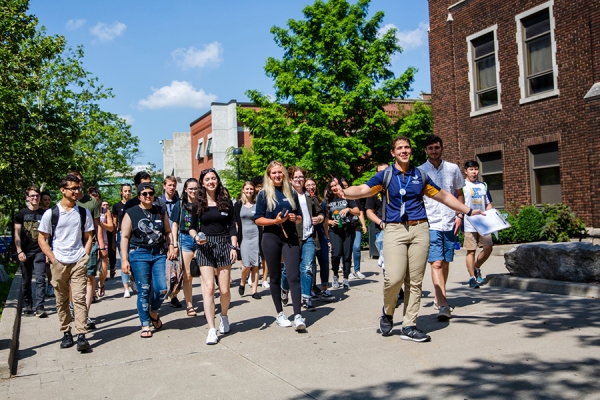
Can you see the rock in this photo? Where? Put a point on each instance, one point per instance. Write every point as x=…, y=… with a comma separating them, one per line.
x=3, y=275
x=571, y=262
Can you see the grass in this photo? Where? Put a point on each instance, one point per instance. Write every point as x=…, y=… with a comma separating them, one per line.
x=11, y=268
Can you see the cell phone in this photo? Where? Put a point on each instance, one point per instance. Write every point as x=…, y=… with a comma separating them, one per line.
x=285, y=213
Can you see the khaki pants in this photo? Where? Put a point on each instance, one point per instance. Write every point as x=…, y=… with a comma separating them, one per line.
x=406, y=249
x=73, y=276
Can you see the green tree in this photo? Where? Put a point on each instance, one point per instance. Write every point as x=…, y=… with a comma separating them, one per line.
x=330, y=89
x=229, y=174
x=416, y=124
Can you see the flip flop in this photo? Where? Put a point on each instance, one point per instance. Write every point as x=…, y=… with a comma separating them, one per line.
x=156, y=322
x=146, y=334
x=191, y=312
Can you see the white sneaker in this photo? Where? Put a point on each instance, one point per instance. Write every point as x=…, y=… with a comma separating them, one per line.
x=335, y=283
x=126, y=294
x=283, y=321
x=360, y=275
x=266, y=285
x=352, y=276
x=345, y=284
x=224, y=325
x=299, y=323
x=212, y=337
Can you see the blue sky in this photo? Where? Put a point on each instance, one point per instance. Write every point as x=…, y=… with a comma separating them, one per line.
x=167, y=61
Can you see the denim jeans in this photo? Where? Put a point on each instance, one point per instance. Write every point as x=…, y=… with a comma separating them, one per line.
x=306, y=269
x=124, y=277
x=356, y=250
x=34, y=265
x=148, y=266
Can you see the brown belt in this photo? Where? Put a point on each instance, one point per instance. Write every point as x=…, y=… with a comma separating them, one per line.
x=412, y=223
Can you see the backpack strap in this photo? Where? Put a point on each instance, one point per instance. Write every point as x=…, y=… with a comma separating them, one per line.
x=387, y=178
x=82, y=218
x=54, y=220
x=424, y=178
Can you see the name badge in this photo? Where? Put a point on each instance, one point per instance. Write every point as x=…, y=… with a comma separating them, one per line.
x=158, y=221
x=224, y=213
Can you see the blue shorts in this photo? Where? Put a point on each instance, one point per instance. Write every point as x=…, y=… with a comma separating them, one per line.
x=441, y=246
x=187, y=243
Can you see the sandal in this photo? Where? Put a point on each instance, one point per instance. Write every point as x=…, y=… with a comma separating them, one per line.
x=101, y=291
x=156, y=322
x=146, y=333
x=191, y=311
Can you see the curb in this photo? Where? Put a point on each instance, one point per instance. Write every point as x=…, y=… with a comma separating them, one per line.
x=9, y=327
x=545, y=285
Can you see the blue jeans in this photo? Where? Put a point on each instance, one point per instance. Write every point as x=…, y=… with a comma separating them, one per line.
x=306, y=269
x=356, y=250
x=148, y=267
x=124, y=277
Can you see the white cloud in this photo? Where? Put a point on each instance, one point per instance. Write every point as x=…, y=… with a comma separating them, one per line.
x=73, y=24
x=199, y=58
x=106, y=32
x=409, y=40
x=128, y=118
x=178, y=94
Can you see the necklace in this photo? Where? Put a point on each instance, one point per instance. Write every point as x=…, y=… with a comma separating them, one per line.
x=148, y=214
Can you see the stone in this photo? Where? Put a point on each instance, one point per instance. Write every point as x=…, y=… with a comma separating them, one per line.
x=3, y=275
x=571, y=262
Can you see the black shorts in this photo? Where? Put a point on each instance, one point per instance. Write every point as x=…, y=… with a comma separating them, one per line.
x=216, y=252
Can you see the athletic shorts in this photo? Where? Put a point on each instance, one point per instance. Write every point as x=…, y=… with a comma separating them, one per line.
x=474, y=240
x=441, y=246
x=215, y=252
x=92, y=265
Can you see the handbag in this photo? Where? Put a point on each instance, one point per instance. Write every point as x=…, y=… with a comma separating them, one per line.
x=194, y=268
x=174, y=275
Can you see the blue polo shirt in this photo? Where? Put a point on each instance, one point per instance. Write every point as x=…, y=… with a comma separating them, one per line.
x=412, y=182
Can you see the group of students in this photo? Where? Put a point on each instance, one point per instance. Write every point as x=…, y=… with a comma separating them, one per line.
x=280, y=222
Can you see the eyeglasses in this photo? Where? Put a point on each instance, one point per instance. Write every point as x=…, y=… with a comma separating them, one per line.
x=298, y=178
x=74, y=188
x=147, y=194
x=34, y=196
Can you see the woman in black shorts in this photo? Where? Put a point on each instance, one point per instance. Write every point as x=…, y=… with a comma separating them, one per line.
x=278, y=212
x=217, y=240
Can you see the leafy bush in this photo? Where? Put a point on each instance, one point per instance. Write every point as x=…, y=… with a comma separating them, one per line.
x=530, y=222
x=508, y=236
x=560, y=223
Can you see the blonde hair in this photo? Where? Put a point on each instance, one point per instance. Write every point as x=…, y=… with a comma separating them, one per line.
x=269, y=188
x=243, y=198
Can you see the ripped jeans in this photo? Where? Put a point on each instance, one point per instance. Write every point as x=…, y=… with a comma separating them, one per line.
x=148, y=267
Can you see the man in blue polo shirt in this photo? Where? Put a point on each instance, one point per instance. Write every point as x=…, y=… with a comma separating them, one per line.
x=406, y=238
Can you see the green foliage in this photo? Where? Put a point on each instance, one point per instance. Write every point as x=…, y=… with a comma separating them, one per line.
x=529, y=224
x=229, y=174
x=560, y=223
x=507, y=236
x=416, y=124
x=335, y=77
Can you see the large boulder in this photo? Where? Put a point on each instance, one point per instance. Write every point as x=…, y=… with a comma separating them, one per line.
x=571, y=262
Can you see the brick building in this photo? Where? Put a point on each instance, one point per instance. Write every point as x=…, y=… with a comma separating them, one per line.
x=516, y=85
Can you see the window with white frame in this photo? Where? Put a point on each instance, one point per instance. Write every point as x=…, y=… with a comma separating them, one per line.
x=544, y=168
x=200, y=150
x=537, y=53
x=209, y=147
x=483, y=71
x=491, y=173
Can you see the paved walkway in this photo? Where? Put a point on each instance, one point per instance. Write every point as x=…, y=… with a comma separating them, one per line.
x=501, y=343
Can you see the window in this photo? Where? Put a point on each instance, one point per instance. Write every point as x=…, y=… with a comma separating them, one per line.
x=537, y=53
x=483, y=71
x=545, y=174
x=209, y=147
x=200, y=150
x=491, y=173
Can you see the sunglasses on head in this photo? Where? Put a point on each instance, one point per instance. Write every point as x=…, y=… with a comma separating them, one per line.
x=206, y=171
x=147, y=194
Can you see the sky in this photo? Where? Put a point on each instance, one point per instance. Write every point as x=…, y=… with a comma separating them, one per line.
x=167, y=61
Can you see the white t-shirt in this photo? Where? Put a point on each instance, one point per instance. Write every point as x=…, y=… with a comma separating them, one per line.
x=476, y=197
x=449, y=178
x=66, y=245
x=307, y=226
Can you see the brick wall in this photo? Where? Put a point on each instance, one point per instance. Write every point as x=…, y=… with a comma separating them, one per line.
x=566, y=118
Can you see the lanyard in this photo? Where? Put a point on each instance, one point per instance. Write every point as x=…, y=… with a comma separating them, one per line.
x=402, y=189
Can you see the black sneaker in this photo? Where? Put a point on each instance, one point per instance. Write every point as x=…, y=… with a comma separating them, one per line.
x=82, y=343
x=28, y=310
x=414, y=334
x=256, y=296
x=176, y=303
x=241, y=290
x=40, y=312
x=400, y=298
x=386, y=324
x=90, y=324
x=112, y=273
x=67, y=341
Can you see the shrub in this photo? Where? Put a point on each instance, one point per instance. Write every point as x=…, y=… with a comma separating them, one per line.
x=560, y=223
x=530, y=222
x=508, y=236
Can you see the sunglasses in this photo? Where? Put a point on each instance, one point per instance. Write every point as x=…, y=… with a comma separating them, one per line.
x=206, y=171
x=147, y=194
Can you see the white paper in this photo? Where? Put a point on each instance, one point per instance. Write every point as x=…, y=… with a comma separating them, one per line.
x=492, y=221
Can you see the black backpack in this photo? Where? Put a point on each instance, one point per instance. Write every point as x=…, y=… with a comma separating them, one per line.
x=387, y=178
x=56, y=215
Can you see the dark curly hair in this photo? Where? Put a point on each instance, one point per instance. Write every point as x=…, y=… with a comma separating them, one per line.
x=223, y=200
x=329, y=196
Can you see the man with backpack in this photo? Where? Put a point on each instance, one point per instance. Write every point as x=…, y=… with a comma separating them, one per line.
x=71, y=228
x=406, y=238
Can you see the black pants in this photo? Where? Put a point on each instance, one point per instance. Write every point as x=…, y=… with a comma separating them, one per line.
x=35, y=264
x=341, y=249
x=112, y=254
x=275, y=246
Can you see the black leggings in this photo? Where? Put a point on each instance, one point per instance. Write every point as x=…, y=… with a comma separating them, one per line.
x=341, y=248
x=274, y=246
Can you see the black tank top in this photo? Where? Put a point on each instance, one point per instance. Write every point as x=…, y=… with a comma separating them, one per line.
x=147, y=227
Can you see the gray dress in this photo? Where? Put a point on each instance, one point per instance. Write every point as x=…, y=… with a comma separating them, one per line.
x=250, y=250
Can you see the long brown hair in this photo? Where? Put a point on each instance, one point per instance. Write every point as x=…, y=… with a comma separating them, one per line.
x=222, y=199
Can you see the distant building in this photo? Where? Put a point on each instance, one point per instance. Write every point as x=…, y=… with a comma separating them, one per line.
x=516, y=85
x=176, y=157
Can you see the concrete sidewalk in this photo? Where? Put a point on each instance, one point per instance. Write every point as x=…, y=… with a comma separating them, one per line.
x=501, y=343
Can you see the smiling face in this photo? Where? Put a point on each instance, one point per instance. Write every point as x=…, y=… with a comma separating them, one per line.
x=248, y=191
x=192, y=190
x=434, y=152
x=401, y=151
x=311, y=186
x=276, y=175
x=146, y=197
x=33, y=197
x=210, y=182
x=72, y=191
x=334, y=186
x=298, y=181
